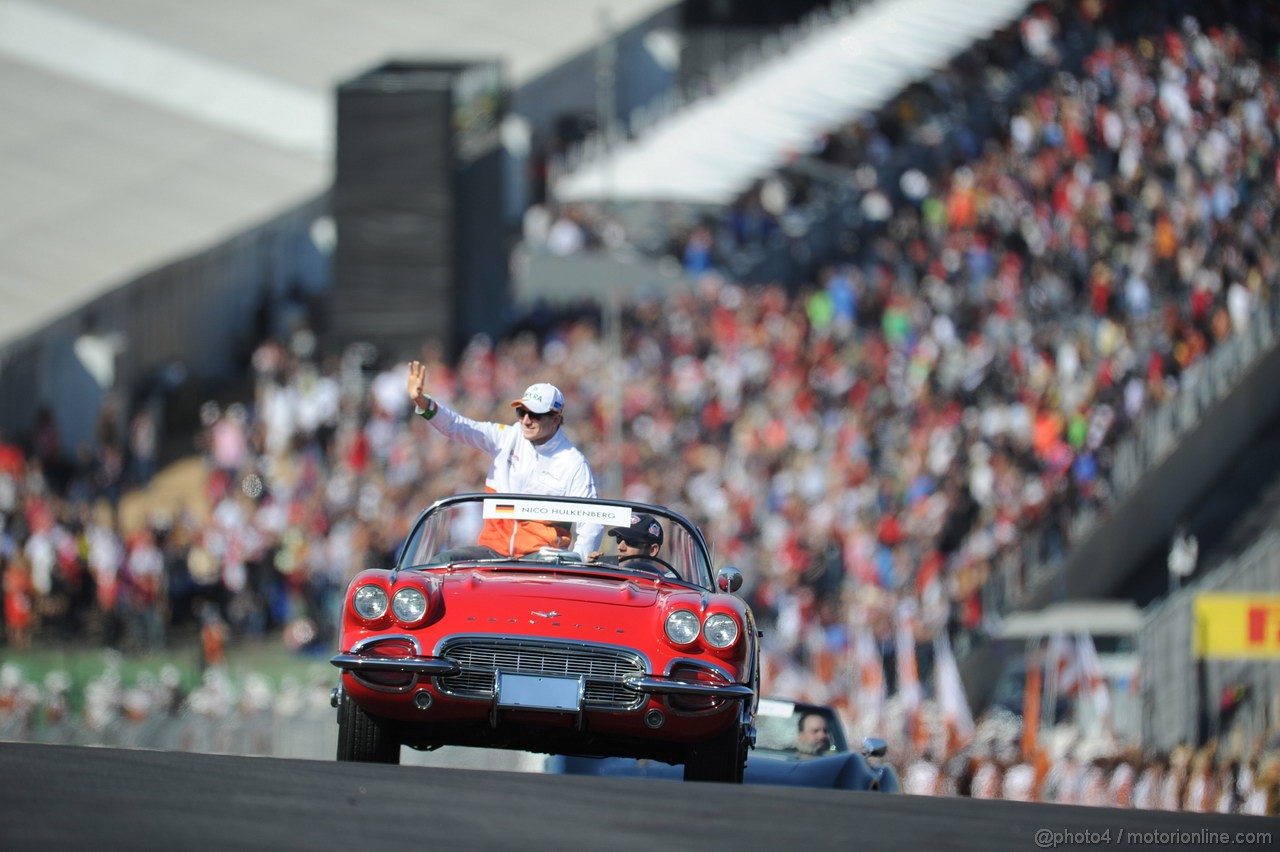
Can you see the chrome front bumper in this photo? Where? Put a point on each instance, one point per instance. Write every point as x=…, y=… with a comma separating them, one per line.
x=665, y=686
x=426, y=666
x=360, y=659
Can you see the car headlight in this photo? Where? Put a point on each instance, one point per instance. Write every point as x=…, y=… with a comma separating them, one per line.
x=720, y=630
x=682, y=627
x=409, y=604
x=370, y=602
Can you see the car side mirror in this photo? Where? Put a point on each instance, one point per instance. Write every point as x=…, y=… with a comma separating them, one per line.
x=874, y=747
x=728, y=579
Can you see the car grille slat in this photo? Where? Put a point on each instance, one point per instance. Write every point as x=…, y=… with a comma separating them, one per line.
x=603, y=668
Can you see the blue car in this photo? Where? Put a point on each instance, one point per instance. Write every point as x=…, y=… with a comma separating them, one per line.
x=797, y=745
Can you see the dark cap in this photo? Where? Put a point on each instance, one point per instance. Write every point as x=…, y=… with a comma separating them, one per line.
x=644, y=530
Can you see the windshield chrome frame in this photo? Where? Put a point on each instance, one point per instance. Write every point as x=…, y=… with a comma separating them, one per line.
x=702, y=554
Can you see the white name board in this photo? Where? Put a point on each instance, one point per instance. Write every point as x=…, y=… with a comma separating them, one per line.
x=555, y=511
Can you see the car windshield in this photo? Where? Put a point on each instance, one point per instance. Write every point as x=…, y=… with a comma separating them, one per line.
x=451, y=529
x=778, y=722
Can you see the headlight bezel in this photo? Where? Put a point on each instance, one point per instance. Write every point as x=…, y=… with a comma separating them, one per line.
x=404, y=594
x=370, y=592
x=714, y=626
x=680, y=622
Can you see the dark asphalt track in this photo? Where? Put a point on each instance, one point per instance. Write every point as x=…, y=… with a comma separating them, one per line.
x=71, y=797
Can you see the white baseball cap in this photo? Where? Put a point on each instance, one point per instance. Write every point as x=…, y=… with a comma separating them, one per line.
x=541, y=398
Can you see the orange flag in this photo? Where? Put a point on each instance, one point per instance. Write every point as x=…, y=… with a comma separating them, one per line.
x=1031, y=708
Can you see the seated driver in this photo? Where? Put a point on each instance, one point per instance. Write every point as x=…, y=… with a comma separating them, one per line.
x=642, y=538
x=812, y=735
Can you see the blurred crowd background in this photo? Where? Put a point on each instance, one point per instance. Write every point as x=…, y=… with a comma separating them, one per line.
x=1047, y=247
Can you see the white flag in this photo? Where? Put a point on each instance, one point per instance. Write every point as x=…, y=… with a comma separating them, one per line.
x=908, y=672
x=1092, y=681
x=948, y=688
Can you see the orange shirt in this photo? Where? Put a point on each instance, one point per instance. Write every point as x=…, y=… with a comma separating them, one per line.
x=516, y=538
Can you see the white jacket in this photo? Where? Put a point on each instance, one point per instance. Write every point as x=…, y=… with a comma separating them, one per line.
x=555, y=468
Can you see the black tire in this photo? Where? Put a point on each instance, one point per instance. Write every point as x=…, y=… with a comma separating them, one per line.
x=361, y=739
x=723, y=758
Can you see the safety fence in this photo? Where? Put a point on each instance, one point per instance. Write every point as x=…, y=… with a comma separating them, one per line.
x=299, y=724
x=1181, y=695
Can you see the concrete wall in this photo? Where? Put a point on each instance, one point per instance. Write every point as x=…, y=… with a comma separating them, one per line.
x=1172, y=691
x=194, y=319
x=560, y=281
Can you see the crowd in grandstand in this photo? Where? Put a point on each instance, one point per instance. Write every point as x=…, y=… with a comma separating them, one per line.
x=998, y=764
x=864, y=448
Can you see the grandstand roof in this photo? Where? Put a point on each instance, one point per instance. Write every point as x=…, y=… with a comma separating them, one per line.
x=136, y=132
x=714, y=149
x=1096, y=617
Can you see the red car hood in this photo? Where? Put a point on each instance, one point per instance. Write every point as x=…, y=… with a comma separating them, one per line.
x=481, y=591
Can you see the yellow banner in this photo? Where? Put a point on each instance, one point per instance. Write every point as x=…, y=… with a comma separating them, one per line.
x=1237, y=626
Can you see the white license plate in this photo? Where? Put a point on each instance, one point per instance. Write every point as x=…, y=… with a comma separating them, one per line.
x=537, y=692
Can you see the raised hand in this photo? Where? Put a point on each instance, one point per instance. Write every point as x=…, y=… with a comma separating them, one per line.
x=417, y=383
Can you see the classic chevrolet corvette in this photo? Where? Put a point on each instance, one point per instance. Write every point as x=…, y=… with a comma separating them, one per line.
x=641, y=656
x=779, y=756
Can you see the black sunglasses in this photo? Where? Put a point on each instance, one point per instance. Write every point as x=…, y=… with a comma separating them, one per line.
x=522, y=412
x=633, y=543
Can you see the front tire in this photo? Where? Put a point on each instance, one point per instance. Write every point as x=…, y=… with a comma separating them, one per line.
x=362, y=739
x=723, y=758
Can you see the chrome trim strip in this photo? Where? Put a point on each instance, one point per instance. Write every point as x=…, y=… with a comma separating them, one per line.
x=429, y=666
x=662, y=686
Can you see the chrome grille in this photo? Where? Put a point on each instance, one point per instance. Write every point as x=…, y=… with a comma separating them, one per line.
x=604, y=668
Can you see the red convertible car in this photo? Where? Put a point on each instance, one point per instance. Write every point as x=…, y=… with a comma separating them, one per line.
x=628, y=655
